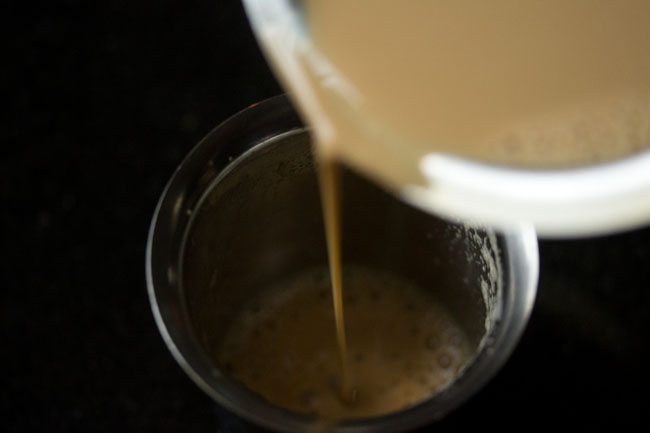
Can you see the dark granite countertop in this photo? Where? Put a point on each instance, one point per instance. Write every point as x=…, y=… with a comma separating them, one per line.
x=105, y=99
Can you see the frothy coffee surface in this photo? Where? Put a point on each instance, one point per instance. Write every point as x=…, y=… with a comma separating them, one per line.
x=402, y=345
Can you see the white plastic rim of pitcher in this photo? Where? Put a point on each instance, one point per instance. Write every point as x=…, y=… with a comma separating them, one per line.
x=584, y=201
x=559, y=203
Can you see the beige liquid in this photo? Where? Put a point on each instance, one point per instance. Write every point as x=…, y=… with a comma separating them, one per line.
x=532, y=83
x=402, y=345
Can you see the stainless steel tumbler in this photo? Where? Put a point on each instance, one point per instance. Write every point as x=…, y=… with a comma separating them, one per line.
x=242, y=212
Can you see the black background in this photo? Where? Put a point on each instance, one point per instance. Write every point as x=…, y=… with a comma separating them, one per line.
x=104, y=101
